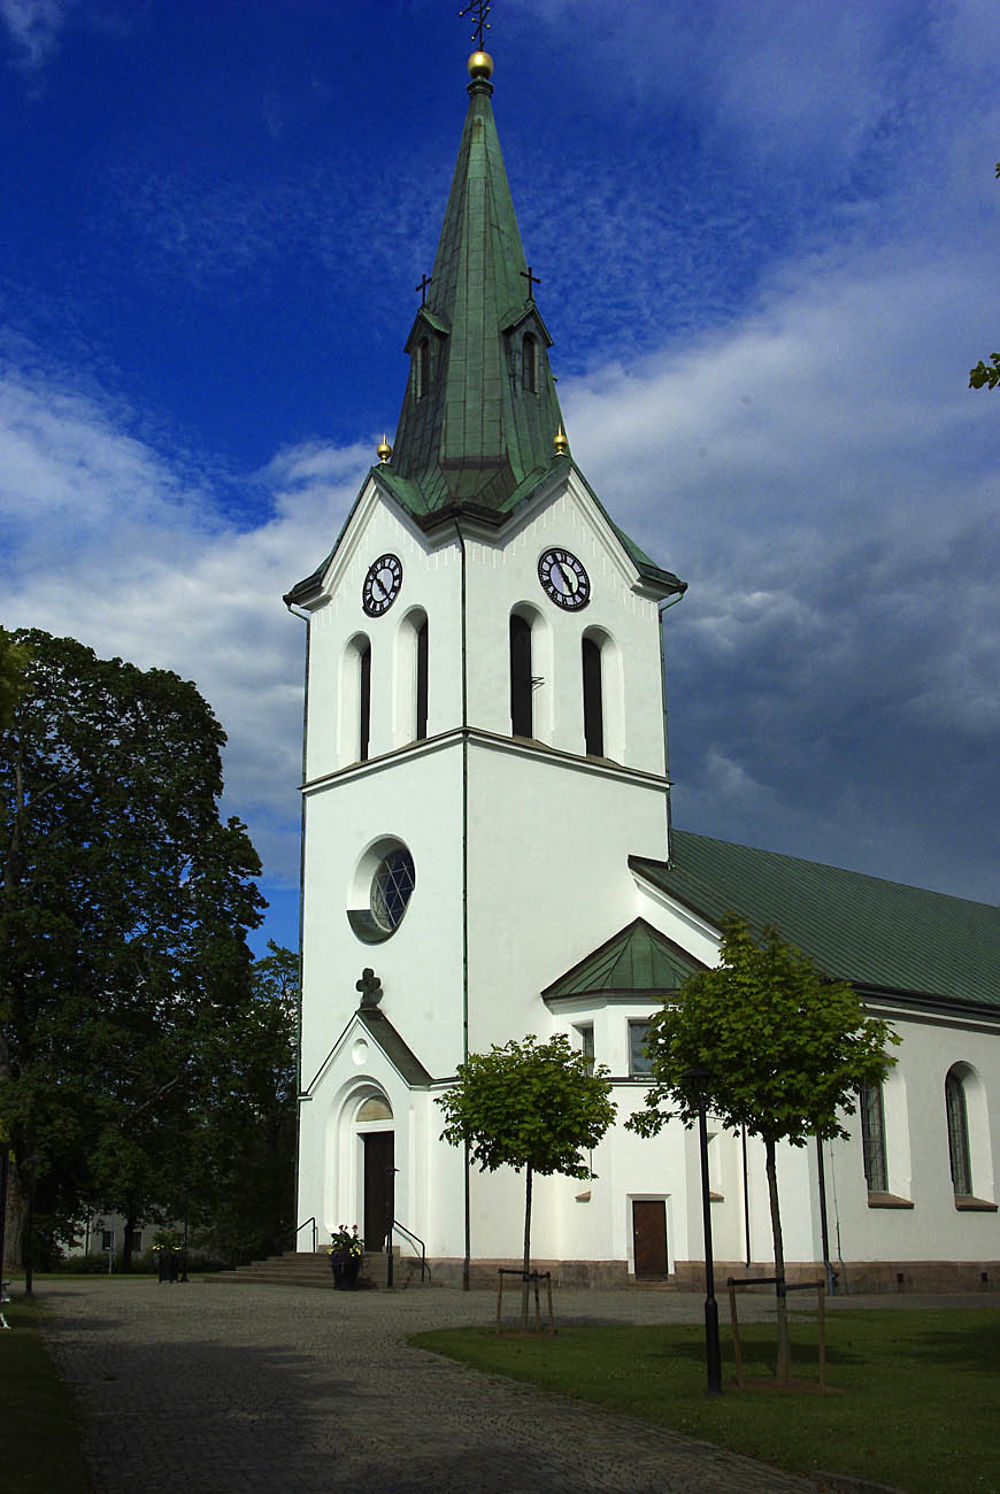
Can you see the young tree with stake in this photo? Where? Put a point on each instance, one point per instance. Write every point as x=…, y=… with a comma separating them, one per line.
x=765, y=1042
x=536, y=1106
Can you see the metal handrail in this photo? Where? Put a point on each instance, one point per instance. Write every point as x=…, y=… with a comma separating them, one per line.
x=415, y=1239
x=311, y=1220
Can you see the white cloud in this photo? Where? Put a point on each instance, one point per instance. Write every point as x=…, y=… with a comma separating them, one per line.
x=35, y=27
x=821, y=475
x=109, y=543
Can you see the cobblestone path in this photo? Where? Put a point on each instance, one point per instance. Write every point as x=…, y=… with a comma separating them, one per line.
x=225, y=1389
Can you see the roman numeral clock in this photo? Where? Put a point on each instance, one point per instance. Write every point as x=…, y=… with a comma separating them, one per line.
x=382, y=585
x=564, y=579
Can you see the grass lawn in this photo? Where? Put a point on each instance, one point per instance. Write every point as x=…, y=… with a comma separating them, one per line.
x=40, y=1446
x=912, y=1396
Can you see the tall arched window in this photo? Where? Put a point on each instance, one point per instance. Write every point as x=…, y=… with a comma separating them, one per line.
x=354, y=706
x=421, y=691
x=364, y=700
x=521, y=724
x=593, y=699
x=956, y=1110
x=871, y=1106
x=410, y=679
x=529, y=363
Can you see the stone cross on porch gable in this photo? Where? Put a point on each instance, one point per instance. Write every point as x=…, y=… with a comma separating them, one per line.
x=371, y=990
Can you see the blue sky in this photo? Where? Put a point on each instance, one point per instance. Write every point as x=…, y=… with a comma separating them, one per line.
x=766, y=236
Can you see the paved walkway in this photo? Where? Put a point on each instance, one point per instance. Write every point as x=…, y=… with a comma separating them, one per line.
x=225, y=1389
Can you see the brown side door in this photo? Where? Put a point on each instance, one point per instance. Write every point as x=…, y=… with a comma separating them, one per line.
x=649, y=1236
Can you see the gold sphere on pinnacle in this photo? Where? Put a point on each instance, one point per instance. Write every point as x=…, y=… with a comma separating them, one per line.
x=383, y=451
x=480, y=65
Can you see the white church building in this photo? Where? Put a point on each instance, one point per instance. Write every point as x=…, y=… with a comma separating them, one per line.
x=488, y=853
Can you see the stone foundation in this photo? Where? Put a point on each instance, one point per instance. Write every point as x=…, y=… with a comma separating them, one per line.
x=689, y=1276
x=483, y=1273
x=853, y=1276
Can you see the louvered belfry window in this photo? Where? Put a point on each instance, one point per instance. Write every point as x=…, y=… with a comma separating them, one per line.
x=593, y=699
x=521, y=724
x=365, y=701
x=422, y=657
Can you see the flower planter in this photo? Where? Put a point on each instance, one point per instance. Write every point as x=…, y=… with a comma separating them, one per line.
x=345, y=1272
x=166, y=1265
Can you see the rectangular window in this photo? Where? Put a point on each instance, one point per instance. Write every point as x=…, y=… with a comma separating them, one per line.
x=639, y=1063
x=586, y=1035
x=107, y=1239
x=872, y=1109
x=137, y=1239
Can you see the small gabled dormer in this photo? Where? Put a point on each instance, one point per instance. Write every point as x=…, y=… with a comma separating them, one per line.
x=526, y=343
x=426, y=348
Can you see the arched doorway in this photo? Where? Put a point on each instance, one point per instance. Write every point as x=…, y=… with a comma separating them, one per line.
x=373, y=1123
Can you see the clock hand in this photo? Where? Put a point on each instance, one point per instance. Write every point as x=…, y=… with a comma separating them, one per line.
x=568, y=579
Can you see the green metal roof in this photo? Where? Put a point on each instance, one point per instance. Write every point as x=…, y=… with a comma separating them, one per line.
x=396, y=1050
x=474, y=432
x=473, y=442
x=638, y=960
x=880, y=936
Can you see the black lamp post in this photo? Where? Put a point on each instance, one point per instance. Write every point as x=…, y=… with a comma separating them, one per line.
x=713, y=1351
x=390, y=1211
x=184, y=1248
x=4, y=1172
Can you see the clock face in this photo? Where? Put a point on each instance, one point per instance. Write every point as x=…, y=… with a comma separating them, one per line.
x=382, y=583
x=564, y=579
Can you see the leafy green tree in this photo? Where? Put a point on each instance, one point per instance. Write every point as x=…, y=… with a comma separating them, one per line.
x=536, y=1106
x=13, y=660
x=986, y=375
x=124, y=906
x=242, y=1164
x=765, y=1042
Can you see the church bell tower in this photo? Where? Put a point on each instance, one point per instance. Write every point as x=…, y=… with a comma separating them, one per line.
x=484, y=736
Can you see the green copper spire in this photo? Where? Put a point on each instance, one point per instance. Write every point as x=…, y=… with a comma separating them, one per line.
x=480, y=412
x=480, y=430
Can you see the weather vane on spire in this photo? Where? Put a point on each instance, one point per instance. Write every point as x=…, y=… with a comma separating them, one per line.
x=479, y=10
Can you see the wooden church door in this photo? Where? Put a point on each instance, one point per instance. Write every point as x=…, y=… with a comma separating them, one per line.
x=649, y=1236
x=379, y=1197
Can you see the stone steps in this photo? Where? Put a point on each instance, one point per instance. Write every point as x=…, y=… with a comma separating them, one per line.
x=312, y=1269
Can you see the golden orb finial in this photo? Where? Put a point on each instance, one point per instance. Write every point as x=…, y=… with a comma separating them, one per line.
x=480, y=65
x=560, y=443
x=383, y=451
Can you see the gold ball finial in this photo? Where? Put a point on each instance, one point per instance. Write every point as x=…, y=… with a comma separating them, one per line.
x=560, y=443
x=383, y=451
x=480, y=65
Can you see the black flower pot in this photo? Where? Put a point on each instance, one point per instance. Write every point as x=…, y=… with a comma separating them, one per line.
x=345, y=1272
x=166, y=1265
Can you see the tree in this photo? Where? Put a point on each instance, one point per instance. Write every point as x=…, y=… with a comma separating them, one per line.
x=986, y=375
x=13, y=660
x=242, y=1166
x=765, y=1042
x=536, y=1106
x=124, y=905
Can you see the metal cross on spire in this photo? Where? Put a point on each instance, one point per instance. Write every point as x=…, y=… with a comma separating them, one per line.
x=479, y=10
